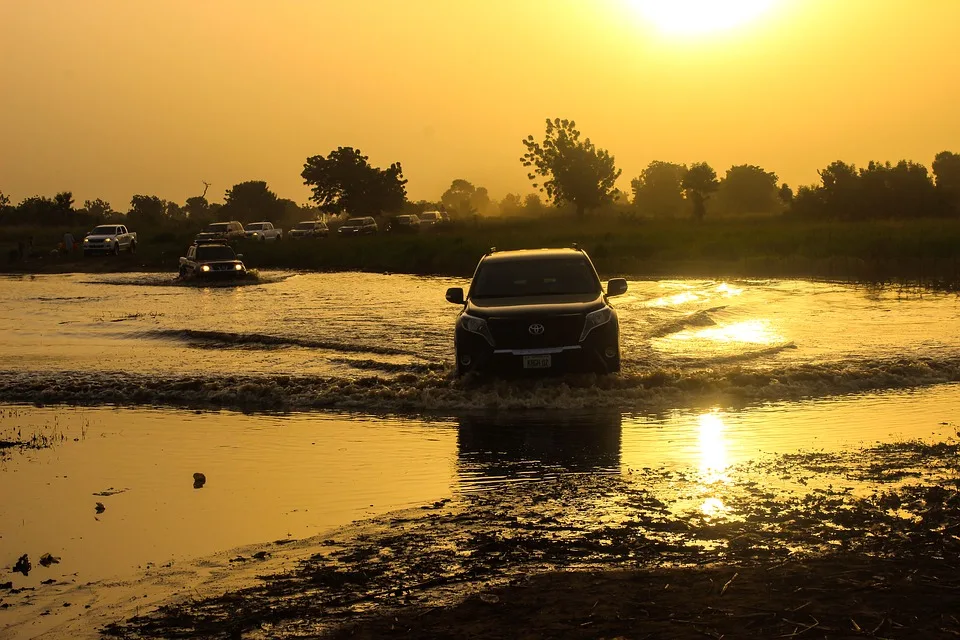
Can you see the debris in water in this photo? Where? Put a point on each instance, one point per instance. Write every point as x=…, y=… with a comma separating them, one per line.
x=23, y=565
x=106, y=493
x=48, y=559
x=100, y=508
x=199, y=480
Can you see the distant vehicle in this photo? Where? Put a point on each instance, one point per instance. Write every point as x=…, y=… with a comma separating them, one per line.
x=109, y=238
x=431, y=218
x=214, y=261
x=222, y=232
x=262, y=232
x=365, y=226
x=541, y=309
x=405, y=224
x=309, y=229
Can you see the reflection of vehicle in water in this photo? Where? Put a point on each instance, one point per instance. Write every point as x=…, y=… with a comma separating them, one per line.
x=212, y=261
x=222, y=232
x=309, y=229
x=518, y=446
x=538, y=309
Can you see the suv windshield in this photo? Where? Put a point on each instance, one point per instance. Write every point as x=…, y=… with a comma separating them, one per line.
x=429, y=215
x=217, y=228
x=554, y=276
x=215, y=253
x=355, y=222
x=103, y=230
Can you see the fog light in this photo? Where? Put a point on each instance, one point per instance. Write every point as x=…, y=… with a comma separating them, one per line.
x=465, y=360
x=610, y=352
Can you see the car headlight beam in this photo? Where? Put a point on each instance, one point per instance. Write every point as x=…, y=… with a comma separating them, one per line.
x=205, y=267
x=595, y=319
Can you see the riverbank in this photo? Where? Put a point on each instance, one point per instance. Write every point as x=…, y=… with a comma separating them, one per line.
x=862, y=543
x=922, y=251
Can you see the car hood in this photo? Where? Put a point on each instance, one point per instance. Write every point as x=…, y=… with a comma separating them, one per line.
x=211, y=234
x=534, y=305
x=101, y=236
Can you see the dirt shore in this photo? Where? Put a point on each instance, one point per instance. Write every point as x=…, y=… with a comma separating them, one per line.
x=819, y=545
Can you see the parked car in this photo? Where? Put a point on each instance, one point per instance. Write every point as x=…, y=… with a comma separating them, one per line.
x=309, y=229
x=364, y=226
x=109, y=238
x=220, y=232
x=405, y=224
x=262, y=232
x=213, y=261
x=541, y=309
x=431, y=218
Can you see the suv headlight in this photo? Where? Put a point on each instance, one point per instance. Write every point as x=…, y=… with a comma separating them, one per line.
x=205, y=267
x=595, y=319
x=477, y=326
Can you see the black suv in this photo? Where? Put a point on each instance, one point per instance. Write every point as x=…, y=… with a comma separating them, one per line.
x=541, y=309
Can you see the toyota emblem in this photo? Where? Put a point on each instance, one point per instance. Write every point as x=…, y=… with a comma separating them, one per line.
x=536, y=329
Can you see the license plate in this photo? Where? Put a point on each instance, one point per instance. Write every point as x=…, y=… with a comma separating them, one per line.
x=536, y=362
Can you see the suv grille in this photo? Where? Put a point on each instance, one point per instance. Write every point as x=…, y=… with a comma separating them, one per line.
x=558, y=331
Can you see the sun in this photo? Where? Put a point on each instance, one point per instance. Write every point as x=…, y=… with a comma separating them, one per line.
x=698, y=17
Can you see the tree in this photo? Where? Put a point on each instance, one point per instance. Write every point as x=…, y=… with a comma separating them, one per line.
x=841, y=185
x=38, y=210
x=511, y=205
x=785, y=193
x=345, y=181
x=197, y=208
x=146, y=211
x=4, y=200
x=946, y=169
x=463, y=199
x=699, y=182
x=97, y=209
x=575, y=170
x=532, y=203
x=658, y=189
x=251, y=201
x=747, y=188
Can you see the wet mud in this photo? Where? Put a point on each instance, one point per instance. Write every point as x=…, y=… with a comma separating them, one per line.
x=841, y=549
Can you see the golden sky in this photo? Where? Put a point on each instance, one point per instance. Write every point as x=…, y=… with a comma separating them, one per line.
x=109, y=98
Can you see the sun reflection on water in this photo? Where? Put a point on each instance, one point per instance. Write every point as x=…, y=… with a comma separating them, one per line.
x=749, y=331
x=714, y=461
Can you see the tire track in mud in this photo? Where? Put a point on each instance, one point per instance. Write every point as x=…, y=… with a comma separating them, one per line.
x=423, y=391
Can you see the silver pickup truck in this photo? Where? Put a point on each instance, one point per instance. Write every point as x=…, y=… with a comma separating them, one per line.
x=110, y=239
x=262, y=232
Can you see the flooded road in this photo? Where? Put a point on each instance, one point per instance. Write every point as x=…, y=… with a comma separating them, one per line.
x=312, y=401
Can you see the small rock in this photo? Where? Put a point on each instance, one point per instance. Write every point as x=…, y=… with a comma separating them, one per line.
x=261, y=555
x=47, y=559
x=100, y=508
x=23, y=565
x=199, y=480
x=48, y=581
x=6, y=585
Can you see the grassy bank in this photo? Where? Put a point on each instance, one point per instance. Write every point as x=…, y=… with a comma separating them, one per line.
x=879, y=251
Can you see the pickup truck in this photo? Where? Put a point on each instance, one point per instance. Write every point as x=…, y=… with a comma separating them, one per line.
x=220, y=232
x=209, y=261
x=262, y=232
x=111, y=239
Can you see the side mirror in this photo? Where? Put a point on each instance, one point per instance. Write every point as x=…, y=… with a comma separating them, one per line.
x=455, y=295
x=240, y=257
x=616, y=287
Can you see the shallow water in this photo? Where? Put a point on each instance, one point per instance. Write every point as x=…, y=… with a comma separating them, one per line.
x=716, y=375
x=298, y=475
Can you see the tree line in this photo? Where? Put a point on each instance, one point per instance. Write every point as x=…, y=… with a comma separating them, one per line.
x=568, y=168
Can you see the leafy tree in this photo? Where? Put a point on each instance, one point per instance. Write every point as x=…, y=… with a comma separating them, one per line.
x=251, y=201
x=197, y=208
x=97, y=209
x=38, y=210
x=785, y=193
x=532, y=203
x=575, y=170
x=658, y=189
x=903, y=190
x=747, y=188
x=946, y=169
x=699, y=182
x=4, y=200
x=146, y=211
x=511, y=205
x=345, y=181
x=841, y=186
x=463, y=199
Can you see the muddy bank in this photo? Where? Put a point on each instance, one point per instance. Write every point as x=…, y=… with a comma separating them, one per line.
x=824, y=547
x=432, y=388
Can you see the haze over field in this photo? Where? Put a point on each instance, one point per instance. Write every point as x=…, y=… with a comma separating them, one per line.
x=113, y=98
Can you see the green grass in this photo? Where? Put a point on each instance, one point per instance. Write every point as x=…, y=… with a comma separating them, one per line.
x=877, y=251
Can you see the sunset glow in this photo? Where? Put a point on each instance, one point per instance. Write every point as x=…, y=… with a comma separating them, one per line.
x=695, y=17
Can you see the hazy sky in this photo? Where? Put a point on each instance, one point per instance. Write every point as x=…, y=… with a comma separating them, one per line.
x=109, y=98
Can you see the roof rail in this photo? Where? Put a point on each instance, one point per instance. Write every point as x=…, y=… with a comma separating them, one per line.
x=492, y=250
x=576, y=246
